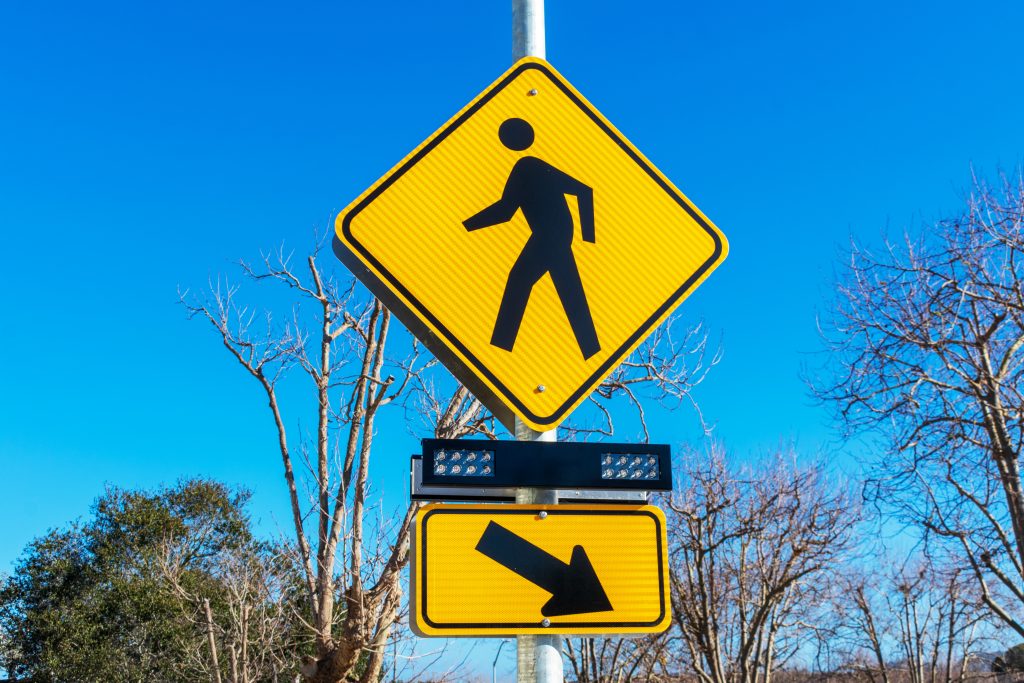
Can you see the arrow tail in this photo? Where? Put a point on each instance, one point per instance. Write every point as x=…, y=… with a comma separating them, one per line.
x=520, y=556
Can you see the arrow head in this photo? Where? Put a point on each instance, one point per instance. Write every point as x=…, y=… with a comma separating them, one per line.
x=578, y=589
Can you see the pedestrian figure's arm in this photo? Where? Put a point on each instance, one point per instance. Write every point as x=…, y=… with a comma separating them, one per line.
x=585, y=201
x=500, y=211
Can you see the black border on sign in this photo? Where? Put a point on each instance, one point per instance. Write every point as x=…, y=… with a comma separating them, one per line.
x=418, y=308
x=555, y=625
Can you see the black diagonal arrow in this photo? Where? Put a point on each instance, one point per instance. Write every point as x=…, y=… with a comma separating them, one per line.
x=574, y=587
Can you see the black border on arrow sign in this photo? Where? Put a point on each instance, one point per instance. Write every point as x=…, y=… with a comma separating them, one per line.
x=556, y=624
x=617, y=356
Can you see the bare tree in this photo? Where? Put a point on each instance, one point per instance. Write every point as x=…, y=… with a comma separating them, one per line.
x=619, y=660
x=338, y=343
x=919, y=622
x=927, y=341
x=246, y=635
x=662, y=372
x=752, y=552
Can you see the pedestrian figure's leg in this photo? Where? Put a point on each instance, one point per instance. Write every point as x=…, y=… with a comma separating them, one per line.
x=566, y=278
x=525, y=273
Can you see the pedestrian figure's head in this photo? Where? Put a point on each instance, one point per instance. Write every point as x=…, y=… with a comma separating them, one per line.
x=516, y=134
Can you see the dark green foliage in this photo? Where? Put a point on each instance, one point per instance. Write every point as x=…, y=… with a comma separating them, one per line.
x=89, y=603
x=1013, y=659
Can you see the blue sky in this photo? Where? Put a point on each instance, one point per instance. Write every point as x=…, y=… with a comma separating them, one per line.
x=147, y=146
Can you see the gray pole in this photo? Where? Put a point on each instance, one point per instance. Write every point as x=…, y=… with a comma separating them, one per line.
x=538, y=658
x=528, y=29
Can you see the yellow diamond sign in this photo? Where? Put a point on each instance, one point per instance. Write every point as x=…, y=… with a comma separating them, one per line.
x=484, y=570
x=529, y=245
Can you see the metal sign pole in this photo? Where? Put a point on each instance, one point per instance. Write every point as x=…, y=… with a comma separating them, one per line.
x=538, y=658
x=528, y=29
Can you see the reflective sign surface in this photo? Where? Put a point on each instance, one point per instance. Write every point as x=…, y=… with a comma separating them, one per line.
x=529, y=245
x=520, y=569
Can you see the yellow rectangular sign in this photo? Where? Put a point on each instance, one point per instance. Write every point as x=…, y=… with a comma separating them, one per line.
x=484, y=570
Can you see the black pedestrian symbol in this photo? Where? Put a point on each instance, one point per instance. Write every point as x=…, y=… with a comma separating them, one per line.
x=540, y=190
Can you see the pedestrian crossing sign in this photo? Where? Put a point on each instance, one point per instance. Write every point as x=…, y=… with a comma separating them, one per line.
x=528, y=245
